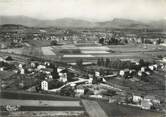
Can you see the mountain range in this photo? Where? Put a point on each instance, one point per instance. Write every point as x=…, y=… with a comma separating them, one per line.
x=71, y=22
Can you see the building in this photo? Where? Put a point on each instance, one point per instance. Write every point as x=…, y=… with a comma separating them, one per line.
x=22, y=71
x=63, y=76
x=136, y=99
x=146, y=104
x=97, y=74
x=44, y=85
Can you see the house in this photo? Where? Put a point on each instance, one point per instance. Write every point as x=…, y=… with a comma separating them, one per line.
x=147, y=73
x=44, y=85
x=1, y=68
x=136, y=99
x=47, y=70
x=164, y=59
x=59, y=69
x=96, y=96
x=22, y=71
x=63, y=76
x=146, y=104
x=155, y=66
x=153, y=99
x=143, y=69
x=2, y=60
x=123, y=72
x=33, y=65
x=20, y=66
x=97, y=74
x=151, y=67
x=39, y=67
x=90, y=80
x=79, y=92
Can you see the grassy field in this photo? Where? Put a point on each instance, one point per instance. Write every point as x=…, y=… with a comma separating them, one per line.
x=39, y=103
x=115, y=110
x=32, y=96
x=93, y=109
x=39, y=43
x=35, y=104
x=155, y=85
x=47, y=51
x=5, y=75
x=44, y=114
x=71, y=52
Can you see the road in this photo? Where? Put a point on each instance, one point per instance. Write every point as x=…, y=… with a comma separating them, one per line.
x=93, y=109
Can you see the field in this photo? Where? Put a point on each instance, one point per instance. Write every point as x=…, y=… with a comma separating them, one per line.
x=93, y=109
x=38, y=43
x=115, y=110
x=47, y=51
x=155, y=85
x=71, y=52
x=41, y=104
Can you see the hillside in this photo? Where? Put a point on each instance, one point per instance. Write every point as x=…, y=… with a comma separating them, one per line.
x=70, y=22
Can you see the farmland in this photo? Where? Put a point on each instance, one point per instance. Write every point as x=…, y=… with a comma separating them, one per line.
x=115, y=110
x=71, y=52
x=38, y=104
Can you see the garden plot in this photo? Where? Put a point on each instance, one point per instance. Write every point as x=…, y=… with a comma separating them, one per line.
x=47, y=51
x=40, y=103
x=13, y=50
x=94, y=52
x=95, y=48
x=78, y=56
x=68, y=47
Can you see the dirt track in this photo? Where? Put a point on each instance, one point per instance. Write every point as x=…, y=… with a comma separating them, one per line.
x=93, y=109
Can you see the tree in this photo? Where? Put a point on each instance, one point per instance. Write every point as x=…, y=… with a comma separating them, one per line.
x=55, y=74
x=107, y=62
x=54, y=42
x=79, y=62
x=99, y=61
x=141, y=62
x=101, y=40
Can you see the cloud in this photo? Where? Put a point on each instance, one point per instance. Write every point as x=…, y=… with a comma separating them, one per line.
x=92, y=9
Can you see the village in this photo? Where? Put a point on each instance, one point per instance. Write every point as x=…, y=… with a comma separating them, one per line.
x=73, y=69
x=88, y=81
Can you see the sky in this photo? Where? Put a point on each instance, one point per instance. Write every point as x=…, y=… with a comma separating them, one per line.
x=86, y=9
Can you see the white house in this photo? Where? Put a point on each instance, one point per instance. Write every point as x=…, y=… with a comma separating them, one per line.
x=155, y=66
x=63, y=77
x=147, y=73
x=136, y=99
x=146, y=104
x=39, y=67
x=143, y=69
x=1, y=59
x=97, y=74
x=44, y=85
x=22, y=71
x=139, y=73
x=59, y=69
x=33, y=65
x=151, y=67
x=90, y=76
x=79, y=92
x=122, y=72
x=20, y=66
x=164, y=59
x=1, y=69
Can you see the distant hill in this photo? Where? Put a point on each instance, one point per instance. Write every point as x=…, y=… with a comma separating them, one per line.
x=123, y=23
x=27, y=21
x=70, y=22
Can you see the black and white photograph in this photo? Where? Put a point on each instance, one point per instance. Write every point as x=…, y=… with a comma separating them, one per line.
x=82, y=58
